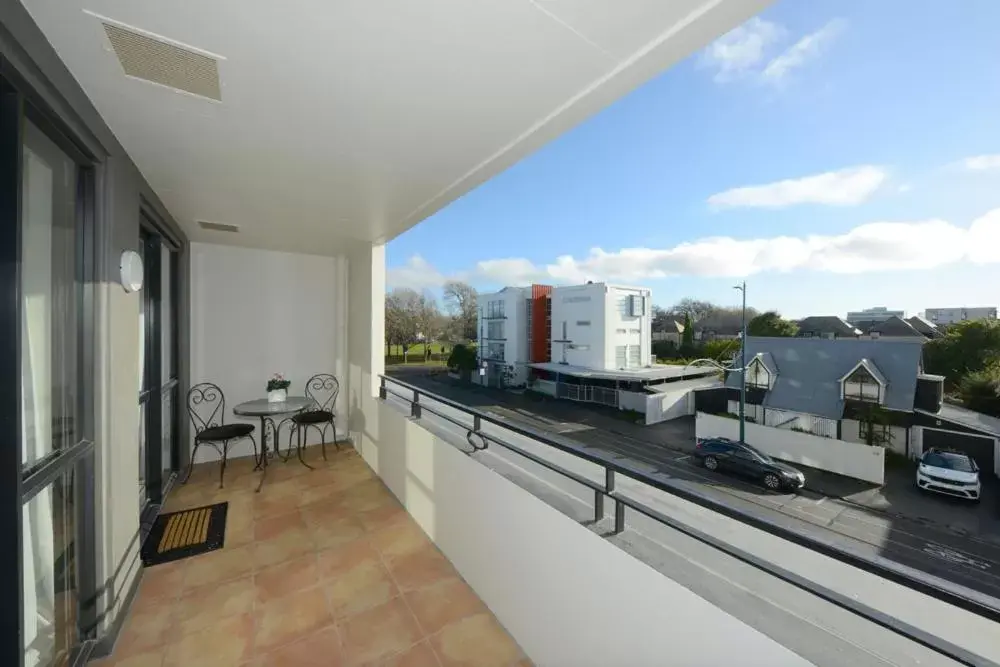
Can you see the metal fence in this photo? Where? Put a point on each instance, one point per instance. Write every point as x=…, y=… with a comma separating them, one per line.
x=958, y=596
x=587, y=393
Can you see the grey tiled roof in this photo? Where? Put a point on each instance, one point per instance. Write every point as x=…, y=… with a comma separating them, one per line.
x=924, y=327
x=893, y=326
x=820, y=324
x=809, y=371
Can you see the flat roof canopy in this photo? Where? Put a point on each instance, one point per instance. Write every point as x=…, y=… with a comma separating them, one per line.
x=650, y=374
x=313, y=125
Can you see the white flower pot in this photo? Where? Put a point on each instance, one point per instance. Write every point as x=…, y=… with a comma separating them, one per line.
x=277, y=395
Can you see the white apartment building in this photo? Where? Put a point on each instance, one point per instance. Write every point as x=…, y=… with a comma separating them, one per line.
x=602, y=327
x=877, y=314
x=503, y=336
x=953, y=315
x=594, y=326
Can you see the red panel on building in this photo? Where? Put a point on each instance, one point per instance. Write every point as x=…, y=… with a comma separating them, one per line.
x=541, y=324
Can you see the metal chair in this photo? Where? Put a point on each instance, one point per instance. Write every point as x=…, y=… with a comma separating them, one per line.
x=322, y=389
x=207, y=408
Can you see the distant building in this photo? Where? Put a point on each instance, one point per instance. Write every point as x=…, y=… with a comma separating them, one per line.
x=893, y=328
x=672, y=332
x=923, y=326
x=601, y=326
x=595, y=326
x=939, y=316
x=877, y=314
x=826, y=326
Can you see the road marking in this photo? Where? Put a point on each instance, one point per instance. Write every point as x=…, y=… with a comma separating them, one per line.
x=821, y=500
x=955, y=556
x=683, y=458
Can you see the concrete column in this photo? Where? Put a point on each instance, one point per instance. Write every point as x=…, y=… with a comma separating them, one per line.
x=365, y=346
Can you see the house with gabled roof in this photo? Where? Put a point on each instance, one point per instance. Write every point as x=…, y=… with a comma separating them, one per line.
x=862, y=390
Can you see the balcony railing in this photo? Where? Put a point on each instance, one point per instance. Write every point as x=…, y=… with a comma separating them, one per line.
x=421, y=401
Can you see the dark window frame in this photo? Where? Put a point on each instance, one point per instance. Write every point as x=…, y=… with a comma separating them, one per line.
x=19, y=484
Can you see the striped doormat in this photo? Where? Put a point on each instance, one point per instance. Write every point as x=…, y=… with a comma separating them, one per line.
x=178, y=535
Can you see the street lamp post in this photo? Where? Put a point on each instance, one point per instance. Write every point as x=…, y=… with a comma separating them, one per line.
x=742, y=287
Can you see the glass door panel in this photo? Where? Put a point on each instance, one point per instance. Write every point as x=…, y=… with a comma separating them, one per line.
x=48, y=299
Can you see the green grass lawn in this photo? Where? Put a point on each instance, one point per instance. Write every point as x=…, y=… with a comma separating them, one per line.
x=417, y=350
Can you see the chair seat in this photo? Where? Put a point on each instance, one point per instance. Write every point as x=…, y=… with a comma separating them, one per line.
x=313, y=417
x=225, y=432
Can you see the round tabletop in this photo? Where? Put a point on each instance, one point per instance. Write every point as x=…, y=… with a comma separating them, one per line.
x=261, y=407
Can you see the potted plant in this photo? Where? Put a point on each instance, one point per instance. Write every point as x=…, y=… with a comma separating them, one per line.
x=277, y=388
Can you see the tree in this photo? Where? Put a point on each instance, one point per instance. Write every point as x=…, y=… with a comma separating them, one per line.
x=463, y=360
x=771, y=324
x=662, y=317
x=410, y=317
x=966, y=349
x=460, y=300
x=687, y=338
x=980, y=390
x=720, y=350
x=692, y=308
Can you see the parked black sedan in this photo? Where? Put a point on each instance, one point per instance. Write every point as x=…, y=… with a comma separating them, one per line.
x=740, y=459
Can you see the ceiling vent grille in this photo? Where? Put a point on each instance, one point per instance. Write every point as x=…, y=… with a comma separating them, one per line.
x=167, y=64
x=218, y=226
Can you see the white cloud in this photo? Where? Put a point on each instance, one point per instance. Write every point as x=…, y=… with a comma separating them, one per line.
x=741, y=49
x=982, y=162
x=876, y=246
x=801, y=52
x=417, y=274
x=747, y=52
x=845, y=187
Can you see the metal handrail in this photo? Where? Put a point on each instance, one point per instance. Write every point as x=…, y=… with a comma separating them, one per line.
x=959, y=596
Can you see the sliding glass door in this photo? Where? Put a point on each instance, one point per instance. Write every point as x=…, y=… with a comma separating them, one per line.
x=46, y=506
x=158, y=396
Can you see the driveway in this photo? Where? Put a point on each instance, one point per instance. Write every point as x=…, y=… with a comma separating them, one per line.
x=928, y=533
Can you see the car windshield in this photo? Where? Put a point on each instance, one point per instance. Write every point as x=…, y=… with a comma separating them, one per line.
x=761, y=455
x=958, y=462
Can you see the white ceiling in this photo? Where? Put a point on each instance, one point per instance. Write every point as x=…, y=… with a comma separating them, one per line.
x=356, y=119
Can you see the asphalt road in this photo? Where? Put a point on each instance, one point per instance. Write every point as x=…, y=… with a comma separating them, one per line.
x=964, y=560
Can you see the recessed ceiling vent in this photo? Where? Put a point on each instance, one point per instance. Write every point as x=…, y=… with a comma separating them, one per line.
x=159, y=61
x=218, y=226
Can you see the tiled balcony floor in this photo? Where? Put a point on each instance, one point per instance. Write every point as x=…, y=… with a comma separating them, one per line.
x=322, y=567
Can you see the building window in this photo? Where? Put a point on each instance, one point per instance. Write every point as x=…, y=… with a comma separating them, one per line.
x=635, y=331
x=860, y=385
x=583, y=323
x=495, y=351
x=636, y=305
x=621, y=331
x=757, y=376
x=495, y=309
x=494, y=330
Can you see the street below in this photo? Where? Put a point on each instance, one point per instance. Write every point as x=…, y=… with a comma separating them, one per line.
x=968, y=560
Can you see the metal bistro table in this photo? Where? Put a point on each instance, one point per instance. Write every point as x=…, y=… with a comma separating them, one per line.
x=266, y=410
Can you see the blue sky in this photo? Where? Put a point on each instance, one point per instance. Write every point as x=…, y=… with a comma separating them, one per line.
x=776, y=154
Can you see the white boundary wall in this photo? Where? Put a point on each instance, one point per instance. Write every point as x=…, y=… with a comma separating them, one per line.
x=549, y=580
x=844, y=458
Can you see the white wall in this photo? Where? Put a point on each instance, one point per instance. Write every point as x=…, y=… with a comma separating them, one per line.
x=515, y=330
x=844, y=458
x=604, y=307
x=550, y=581
x=258, y=312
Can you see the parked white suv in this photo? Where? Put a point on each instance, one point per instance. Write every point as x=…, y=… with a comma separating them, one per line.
x=951, y=473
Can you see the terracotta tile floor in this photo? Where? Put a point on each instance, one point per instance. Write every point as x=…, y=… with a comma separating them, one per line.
x=322, y=567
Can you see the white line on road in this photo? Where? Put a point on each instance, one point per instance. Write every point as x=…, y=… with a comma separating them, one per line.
x=821, y=500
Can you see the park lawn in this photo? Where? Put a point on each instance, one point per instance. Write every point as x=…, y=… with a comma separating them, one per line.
x=417, y=350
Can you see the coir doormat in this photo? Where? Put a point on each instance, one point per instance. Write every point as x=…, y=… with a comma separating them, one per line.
x=183, y=534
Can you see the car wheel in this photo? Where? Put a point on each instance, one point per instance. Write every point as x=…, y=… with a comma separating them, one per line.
x=772, y=481
x=711, y=463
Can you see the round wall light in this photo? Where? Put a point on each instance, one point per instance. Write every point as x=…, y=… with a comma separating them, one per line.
x=131, y=271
